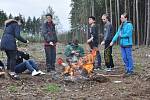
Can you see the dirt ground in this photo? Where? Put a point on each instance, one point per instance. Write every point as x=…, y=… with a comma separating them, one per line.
x=47, y=87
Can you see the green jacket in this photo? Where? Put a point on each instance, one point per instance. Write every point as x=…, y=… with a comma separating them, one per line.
x=70, y=48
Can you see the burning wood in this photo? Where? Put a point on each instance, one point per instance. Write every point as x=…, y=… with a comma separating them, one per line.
x=82, y=68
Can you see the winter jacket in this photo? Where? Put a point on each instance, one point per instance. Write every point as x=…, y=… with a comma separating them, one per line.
x=125, y=34
x=108, y=32
x=93, y=32
x=11, y=33
x=49, y=33
x=70, y=48
x=20, y=56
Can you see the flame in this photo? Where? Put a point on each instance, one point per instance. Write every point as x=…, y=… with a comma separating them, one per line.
x=84, y=63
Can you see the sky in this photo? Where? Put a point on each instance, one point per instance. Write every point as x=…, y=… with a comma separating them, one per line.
x=36, y=7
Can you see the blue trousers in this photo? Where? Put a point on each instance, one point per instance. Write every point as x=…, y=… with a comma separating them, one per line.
x=28, y=64
x=126, y=53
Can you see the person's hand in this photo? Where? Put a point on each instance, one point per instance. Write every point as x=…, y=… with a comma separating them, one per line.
x=111, y=44
x=89, y=40
x=77, y=53
x=103, y=42
x=73, y=52
x=27, y=41
x=51, y=43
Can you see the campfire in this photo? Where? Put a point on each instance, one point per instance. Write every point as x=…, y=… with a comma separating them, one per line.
x=83, y=68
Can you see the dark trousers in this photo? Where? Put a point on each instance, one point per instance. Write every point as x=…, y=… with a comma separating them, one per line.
x=108, y=55
x=97, y=63
x=11, y=59
x=50, y=52
x=28, y=64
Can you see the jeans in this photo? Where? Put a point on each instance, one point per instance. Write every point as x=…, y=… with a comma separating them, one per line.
x=50, y=52
x=28, y=64
x=108, y=55
x=98, y=58
x=126, y=53
x=11, y=59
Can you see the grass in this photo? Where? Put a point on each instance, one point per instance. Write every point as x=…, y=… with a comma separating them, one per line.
x=12, y=88
x=52, y=88
x=138, y=67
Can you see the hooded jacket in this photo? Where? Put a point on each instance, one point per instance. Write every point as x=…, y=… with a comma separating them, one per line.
x=125, y=34
x=11, y=33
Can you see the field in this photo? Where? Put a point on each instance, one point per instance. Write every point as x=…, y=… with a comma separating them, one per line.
x=53, y=87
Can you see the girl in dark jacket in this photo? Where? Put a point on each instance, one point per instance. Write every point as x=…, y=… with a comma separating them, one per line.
x=8, y=41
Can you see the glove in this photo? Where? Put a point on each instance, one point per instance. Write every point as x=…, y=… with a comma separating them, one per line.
x=111, y=44
x=103, y=42
x=89, y=40
x=27, y=41
x=73, y=52
x=51, y=43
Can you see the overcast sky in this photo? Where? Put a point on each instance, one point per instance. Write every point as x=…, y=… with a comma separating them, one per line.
x=36, y=7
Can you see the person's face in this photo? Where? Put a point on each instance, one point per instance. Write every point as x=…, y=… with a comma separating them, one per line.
x=104, y=19
x=49, y=18
x=19, y=22
x=91, y=21
x=122, y=18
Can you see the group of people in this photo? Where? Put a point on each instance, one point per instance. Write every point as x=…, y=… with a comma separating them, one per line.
x=15, y=63
x=124, y=34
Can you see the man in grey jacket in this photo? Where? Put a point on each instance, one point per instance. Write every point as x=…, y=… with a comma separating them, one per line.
x=106, y=41
x=50, y=39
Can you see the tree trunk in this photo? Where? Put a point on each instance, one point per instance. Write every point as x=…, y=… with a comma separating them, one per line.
x=118, y=12
x=110, y=11
x=92, y=7
x=137, y=23
x=148, y=26
x=134, y=21
x=125, y=5
x=116, y=18
x=106, y=6
x=145, y=24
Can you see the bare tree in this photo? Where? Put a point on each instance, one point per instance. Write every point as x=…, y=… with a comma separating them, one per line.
x=118, y=12
x=110, y=10
x=106, y=6
x=137, y=22
x=125, y=5
x=148, y=26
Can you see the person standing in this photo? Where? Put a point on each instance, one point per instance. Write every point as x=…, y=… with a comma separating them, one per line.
x=50, y=39
x=124, y=34
x=108, y=35
x=93, y=40
x=8, y=42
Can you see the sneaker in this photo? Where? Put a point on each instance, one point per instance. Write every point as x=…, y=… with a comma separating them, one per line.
x=16, y=77
x=34, y=73
x=108, y=69
x=12, y=73
x=42, y=73
x=97, y=69
x=128, y=74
